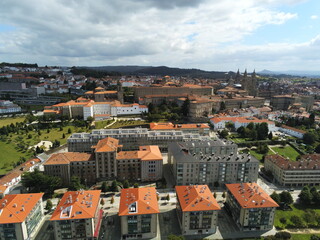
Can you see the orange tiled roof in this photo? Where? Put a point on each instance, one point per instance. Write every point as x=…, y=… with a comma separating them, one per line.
x=196, y=198
x=137, y=201
x=145, y=153
x=169, y=126
x=3, y=188
x=293, y=129
x=77, y=205
x=67, y=157
x=241, y=120
x=108, y=144
x=250, y=195
x=15, y=208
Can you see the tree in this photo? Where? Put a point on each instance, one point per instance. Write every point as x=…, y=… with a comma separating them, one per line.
x=37, y=182
x=215, y=194
x=114, y=186
x=75, y=184
x=230, y=126
x=309, y=138
x=69, y=131
x=136, y=185
x=168, y=197
x=49, y=205
x=317, y=149
x=297, y=221
x=104, y=187
x=90, y=119
x=185, y=107
x=286, y=197
x=250, y=126
x=102, y=202
x=63, y=135
x=270, y=136
x=224, y=133
x=126, y=184
x=222, y=106
x=311, y=118
x=112, y=200
x=305, y=196
x=262, y=131
x=223, y=194
x=276, y=197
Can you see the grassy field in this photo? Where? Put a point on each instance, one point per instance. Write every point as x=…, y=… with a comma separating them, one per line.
x=8, y=121
x=126, y=123
x=302, y=236
x=16, y=145
x=297, y=210
x=287, y=151
x=257, y=155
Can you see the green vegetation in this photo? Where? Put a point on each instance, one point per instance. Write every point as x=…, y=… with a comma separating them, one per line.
x=118, y=124
x=17, y=139
x=303, y=236
x=300, y=216
x=8, y=121
x=286, y=151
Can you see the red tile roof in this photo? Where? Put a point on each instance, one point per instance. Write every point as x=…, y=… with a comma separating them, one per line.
x=77, y=205
x=196, y=198
x=137, y=201
x=251, y=195
x=67, y=157
x=14, y=208
x=108, y=144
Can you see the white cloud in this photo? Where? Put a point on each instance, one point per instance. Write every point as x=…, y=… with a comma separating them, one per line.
x=151, y=32
x=314, y=17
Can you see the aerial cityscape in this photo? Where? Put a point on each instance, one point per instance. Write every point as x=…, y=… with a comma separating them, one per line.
x=162, y=120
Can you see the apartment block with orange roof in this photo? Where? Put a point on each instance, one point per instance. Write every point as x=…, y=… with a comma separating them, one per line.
x=105, y=158
x=145, y=164
x=68, y=164
x=250, y=206
x=20, y=216
x=138, y=211
x=78, y=216
x=197, y=210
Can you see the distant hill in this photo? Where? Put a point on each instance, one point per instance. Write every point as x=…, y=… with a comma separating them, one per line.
x=162, y=71
x=290, y=73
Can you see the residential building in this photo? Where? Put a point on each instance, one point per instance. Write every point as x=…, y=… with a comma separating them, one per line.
x=305, y=171
x=197, y=210
x=105, y=158
x=78, y=216
x=107, y=162
x=250, y=206
x=145, y=164
x=294, y=132
x=130, y=138
x=138, y=211
x=20, y=216
x=68, y=164
x=220, y=122
x=201, y=128
x=210, y=162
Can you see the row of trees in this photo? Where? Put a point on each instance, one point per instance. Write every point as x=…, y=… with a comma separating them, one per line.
x=309, y=196
x=258, y=131
x=284, y=197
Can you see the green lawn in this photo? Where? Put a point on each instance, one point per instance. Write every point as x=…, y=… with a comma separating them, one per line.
x=15, y=146
x=302, y=236
x=102, y=124
x=257, y=155
x=298, y=210
x=126, y=123
x=8, y=121
x=287, y=151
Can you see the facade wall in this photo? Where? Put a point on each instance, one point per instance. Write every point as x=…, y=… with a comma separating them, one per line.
x=132, y=226
x=59, y=170
x=129, y=169
x=199, y=222
x=151, y=170
x=73, y=229
x=106, y=165
x=250, y=219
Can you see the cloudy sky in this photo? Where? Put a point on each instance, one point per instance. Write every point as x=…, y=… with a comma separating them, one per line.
x=206, y=34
